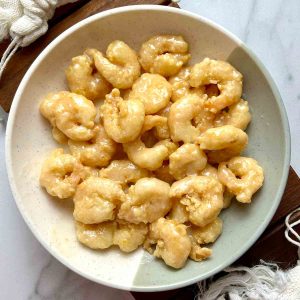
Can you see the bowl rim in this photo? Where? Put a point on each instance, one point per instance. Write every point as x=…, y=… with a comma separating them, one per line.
x=9, y=146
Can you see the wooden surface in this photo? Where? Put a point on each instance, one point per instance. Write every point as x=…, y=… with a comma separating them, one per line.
x=272, y=245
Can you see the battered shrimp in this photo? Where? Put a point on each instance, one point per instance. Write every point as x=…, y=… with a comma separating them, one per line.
x=58, y=176
x=243, y=177
x=228, y=79
x=123, y=120
x=199, y=253
x=153, y=90
x=84, y=79
x=238, y=116
x=163, y=173
x=96, y=152
x=173, y=244
x=96, y=236
x=96, y=200
x=181, y=86
x=146, y=201
x=188, y=159
x=121, y=67
x=129, y=236
x=124, y=172
x=209, y=170
x=164, y=54
x=181, y=115
x=149, y=158
x=162, y=130
x=209, y=233
x=223, y=142
x=71, y=113
x=201, y=195
x=159, y=124
x=104, y=235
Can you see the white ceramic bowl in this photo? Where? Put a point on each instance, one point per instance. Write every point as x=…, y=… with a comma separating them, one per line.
x=29, y=141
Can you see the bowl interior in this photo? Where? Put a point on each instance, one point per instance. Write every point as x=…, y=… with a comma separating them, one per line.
x=29, y=141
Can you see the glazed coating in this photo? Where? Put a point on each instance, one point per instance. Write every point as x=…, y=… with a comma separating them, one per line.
x=173, y=244
x=187, y=160
x=96, y=200
x=228, y=79
x=84, y=79
x=58, y=174
x=96, y=152
x=146, y=201
x=124, y=172
x=243, y=176
x=202, y=196
x=181, y=115
x=223, y=142
x=71, y=113
x=123, y=120
x=164, y=54
x=153, y=90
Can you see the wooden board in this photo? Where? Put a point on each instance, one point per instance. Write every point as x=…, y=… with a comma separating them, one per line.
x=272, y=245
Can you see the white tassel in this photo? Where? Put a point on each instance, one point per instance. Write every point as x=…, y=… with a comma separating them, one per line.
x=265, y=281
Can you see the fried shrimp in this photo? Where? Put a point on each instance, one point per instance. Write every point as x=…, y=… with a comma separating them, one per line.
x=238, y=116
x=123, y=120
x=96, y=200
x=71, y=113
x=146, y=201
x=201, y=195
x=181, y=115
x=172, y=242
x=153, y=90
x=223, y=142
x=58, y=176
x=121, y=67
x=188, y=159
x=242, y=176
x=228, y=79
x=124, y=172
x=150, y=158
x=84, y=79
x=164, y=54
x=96, y=152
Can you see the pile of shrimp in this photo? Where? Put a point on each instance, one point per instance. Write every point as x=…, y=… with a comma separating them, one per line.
x=150, y=148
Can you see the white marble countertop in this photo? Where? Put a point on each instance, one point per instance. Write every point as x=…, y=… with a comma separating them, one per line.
x=271, y=29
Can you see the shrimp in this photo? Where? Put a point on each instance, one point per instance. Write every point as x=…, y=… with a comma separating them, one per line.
x=173, y=244
x=104, y=235
x=58, y=176
x=242, y=176
x=228, y=79
x=96, y=200
x=146, y=201
x=124, y=172
x=149, y=158
x=178, y=213
x=238, y=116
x=96, y=152
x=223, y=142
x=71, y=113
x=209, y=233
x=164, y=54
x=188, y=159
x=59, y=136
x=121, y=67
x=123, y=120
x=181, y=86
x=201, y=195
x=181, y=115
x=209, y=170
x=84, y=79
x=153, y=90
